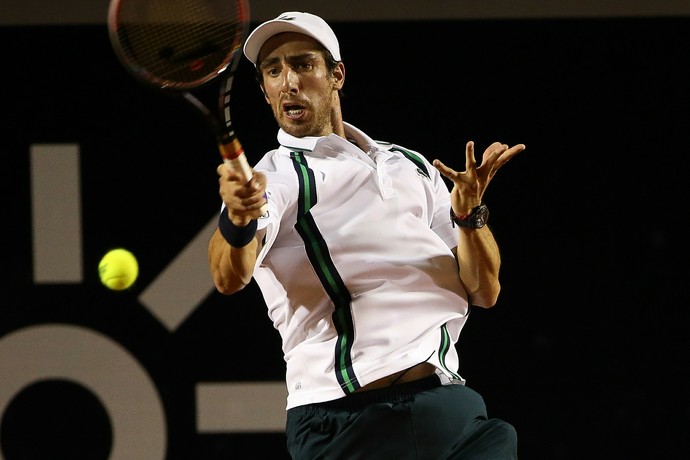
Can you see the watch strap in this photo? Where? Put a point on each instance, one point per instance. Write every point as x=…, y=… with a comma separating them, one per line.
x=477, y=218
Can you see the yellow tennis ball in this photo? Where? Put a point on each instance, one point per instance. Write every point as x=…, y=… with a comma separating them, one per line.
x=118, y=269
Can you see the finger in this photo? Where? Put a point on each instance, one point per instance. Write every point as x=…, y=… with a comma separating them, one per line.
x=257, y=181
x=493, y=151
x=470, y=160
x=254, y=201
x=509, y=153
x=505, y=157
x=232, y=175
x=443, y=169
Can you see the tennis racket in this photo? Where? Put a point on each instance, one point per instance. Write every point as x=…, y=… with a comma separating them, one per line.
x=180, y=45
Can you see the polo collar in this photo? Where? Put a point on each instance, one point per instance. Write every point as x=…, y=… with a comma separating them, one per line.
x=309, y=143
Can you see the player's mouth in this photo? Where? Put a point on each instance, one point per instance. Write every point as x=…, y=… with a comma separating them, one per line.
x=293, y=111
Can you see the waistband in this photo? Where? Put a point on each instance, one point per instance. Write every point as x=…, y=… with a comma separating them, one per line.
x=391, y=394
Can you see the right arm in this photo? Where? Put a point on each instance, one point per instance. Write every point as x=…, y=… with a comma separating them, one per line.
x=232, y=267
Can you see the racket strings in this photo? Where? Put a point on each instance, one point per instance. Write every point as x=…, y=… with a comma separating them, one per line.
x=179, y=43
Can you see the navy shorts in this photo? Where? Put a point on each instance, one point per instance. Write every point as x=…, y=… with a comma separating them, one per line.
x=420, y=420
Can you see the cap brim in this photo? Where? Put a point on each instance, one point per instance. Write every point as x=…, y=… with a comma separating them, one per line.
x=253, y=44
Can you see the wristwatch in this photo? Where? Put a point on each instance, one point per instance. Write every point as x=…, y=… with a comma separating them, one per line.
x=477, y=218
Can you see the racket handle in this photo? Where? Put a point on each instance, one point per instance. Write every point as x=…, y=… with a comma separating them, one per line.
x=240, y=164
x=235, y=159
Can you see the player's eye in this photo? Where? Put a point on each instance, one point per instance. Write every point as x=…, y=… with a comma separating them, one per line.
x=302, y=66
x=272, y=71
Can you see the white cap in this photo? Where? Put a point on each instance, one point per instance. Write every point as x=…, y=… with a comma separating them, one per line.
x=292, y=21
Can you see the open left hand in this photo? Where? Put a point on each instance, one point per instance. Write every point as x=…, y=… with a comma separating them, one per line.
x=469, y=185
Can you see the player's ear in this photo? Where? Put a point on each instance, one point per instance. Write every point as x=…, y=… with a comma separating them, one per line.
x=338, y=76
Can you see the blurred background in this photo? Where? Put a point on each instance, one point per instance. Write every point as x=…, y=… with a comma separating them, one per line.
x=586, y=351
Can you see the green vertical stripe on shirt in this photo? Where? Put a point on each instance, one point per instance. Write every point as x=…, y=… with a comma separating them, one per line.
x=443, y=349
x=320, y=259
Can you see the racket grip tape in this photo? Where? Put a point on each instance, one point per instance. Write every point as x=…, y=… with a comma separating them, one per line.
x=235, y=159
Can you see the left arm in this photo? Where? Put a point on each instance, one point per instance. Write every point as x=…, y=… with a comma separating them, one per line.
x=477, y=253
x=478, y=264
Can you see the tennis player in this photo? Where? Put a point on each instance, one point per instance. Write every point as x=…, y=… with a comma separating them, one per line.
x=368, y=264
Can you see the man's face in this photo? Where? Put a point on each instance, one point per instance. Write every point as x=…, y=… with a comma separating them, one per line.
x=297, y=84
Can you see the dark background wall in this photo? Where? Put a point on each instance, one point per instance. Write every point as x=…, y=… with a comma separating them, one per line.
x=28, y=12
x=585, y=353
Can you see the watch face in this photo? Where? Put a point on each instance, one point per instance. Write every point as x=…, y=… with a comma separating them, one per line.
x=480, y=217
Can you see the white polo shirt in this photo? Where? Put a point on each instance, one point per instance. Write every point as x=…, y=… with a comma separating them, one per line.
x=357, y=270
